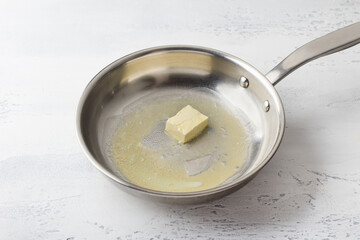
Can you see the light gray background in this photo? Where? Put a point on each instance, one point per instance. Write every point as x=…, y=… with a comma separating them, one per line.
x=49, y=51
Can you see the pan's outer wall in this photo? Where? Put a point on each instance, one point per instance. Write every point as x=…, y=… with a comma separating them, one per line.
x=224, y=72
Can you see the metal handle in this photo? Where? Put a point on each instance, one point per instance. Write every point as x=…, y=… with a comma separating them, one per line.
x=328, y=44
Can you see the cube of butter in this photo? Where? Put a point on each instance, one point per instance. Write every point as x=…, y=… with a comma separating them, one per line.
x=187, y=124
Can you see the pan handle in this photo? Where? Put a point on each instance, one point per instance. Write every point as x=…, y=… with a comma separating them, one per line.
x=328, y=44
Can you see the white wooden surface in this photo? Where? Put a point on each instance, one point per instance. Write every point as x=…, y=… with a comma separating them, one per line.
x=49, y=50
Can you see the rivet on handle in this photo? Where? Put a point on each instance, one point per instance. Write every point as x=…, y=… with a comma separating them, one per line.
x=244, y=82
x=266, y=106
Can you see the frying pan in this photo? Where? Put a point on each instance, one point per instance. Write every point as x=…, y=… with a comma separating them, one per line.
x=179, y=69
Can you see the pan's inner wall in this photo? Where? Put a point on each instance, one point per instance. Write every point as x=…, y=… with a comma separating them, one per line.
x=130, y=79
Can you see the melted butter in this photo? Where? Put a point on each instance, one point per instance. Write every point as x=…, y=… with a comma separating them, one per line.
x=146, y=156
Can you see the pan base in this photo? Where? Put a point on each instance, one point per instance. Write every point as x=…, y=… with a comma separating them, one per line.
x=146, y=156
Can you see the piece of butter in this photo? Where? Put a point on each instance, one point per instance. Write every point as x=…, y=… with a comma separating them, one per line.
x=187, y=124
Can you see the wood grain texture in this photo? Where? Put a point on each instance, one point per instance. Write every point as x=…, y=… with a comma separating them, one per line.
x=51, y=49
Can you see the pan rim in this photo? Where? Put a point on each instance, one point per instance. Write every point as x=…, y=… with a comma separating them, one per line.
x=244, y=178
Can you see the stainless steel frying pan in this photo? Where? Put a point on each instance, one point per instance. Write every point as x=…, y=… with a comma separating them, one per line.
x=188, y=68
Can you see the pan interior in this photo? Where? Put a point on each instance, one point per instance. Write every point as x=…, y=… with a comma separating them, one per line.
x=188, y=76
